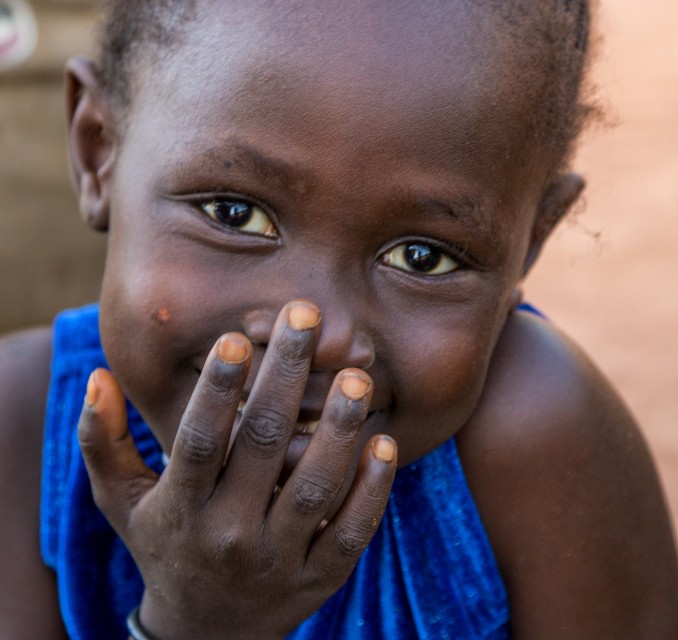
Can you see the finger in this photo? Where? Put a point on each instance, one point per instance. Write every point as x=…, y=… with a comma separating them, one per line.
x=346, y=536
x=315, y=483
x=201, y=443
x=267, y=422
x=118, y=474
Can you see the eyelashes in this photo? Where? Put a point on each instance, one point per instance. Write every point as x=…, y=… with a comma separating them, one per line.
x=417, y=257
x=420, y=257
x=241, y=215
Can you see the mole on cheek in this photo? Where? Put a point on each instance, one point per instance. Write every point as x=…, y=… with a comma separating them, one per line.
x=161, y=315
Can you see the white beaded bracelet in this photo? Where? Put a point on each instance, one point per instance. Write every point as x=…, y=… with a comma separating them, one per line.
x=136, y=631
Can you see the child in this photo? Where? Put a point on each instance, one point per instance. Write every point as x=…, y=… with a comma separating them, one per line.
x=318, y=217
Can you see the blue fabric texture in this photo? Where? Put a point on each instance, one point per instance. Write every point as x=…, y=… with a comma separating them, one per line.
x=429, y=572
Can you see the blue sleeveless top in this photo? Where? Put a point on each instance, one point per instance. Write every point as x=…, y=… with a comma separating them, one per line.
x=428, y=573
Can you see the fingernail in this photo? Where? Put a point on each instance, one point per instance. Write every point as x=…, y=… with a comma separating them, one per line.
x=92, y=394
x=302, y=316
x=232, y=349
x=384, y=449
x=354, y=387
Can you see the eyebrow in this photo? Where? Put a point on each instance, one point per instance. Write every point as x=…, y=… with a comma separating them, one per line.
x=467, y=211
x=277, y=171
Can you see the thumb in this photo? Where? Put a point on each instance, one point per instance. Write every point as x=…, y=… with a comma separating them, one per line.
x=118, y=474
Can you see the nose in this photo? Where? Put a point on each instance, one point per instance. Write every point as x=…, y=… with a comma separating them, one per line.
x=342, y=344
x=343, y=341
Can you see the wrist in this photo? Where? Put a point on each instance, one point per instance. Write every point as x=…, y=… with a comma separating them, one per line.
x=138, y=631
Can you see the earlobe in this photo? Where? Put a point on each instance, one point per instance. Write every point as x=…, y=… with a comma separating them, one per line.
x=91, y=142
x=93, y=208
x=557, y=200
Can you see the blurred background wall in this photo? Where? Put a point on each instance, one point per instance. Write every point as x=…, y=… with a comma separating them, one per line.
x=607, y=277
x=48, y=259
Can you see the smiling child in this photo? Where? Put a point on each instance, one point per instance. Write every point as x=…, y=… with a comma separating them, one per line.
x=319, y=215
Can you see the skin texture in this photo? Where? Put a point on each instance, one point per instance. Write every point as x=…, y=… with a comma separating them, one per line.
x=342, y=190
x=350, y=151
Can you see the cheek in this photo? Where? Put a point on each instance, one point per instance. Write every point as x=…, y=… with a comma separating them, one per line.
x=450, y=374
x=441, y=375
x=154, y=334
x=160, y=297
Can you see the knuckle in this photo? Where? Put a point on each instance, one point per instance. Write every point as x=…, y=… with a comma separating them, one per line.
x=352, y=536
x=346, y=424
x=372, y=498
x=197, y=440
x=292, y=353
x=313, y=494
x=229, y=545
x=90, y=449
x=265, y=430
x=291, y=373
x=351, y=539
x=237, y=549
x=220, y=385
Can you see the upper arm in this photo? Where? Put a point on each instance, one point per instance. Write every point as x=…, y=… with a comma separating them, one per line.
x=569, y=496
x=28, y=601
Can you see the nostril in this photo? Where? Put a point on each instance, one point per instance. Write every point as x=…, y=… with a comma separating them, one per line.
x=340, y=350
x=362, y=351
x=258, y=325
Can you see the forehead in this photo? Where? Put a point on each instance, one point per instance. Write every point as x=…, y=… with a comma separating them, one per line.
x=437, y=83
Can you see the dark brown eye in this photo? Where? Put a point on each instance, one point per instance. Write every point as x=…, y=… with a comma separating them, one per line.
x=234, y=214
x=240, y=215
x=420, y=257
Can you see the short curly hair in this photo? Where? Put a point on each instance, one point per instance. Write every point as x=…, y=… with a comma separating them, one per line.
x=559, y=43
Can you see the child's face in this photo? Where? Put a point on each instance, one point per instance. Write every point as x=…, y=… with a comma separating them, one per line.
x=381, y=170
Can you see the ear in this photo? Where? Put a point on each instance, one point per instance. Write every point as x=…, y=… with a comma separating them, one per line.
x=557, y=200
x=91, y=142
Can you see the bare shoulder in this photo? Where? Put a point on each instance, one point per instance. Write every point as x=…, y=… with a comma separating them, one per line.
x=569, y=495
x=28, y=607
x=24, y=378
